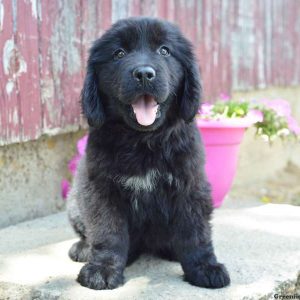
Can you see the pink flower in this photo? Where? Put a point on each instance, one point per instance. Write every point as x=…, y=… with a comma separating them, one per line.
x=282, y=107
x=224, y=97
x=293, y=125
x=254, y=116
x=206, y=109
x=81, y=145
x=73, y=163
x=65, y=188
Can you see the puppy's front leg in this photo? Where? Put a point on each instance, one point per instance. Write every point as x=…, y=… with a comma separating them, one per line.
x=193, y=245
x=108, y=236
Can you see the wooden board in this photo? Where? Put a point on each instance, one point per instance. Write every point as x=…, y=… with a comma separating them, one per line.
x=44, y=44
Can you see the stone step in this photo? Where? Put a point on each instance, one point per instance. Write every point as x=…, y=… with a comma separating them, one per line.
x=259, y=243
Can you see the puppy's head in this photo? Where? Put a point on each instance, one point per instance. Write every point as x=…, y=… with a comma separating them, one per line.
x=141, y=71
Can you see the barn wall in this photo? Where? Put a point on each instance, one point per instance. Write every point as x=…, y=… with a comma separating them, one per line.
x=241, y=45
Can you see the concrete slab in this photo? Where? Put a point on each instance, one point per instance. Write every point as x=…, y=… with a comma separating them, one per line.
x=260, y=244
x=30, y=176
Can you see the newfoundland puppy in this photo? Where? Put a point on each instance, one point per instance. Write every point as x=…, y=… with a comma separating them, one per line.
x=141, y=186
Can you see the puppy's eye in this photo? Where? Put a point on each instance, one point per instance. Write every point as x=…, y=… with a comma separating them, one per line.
x=120, y=53
x=164, y=51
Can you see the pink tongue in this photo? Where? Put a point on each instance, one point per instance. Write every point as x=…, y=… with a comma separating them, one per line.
x=145, y=109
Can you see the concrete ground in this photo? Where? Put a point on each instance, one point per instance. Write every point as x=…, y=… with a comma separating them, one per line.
x=259, y=243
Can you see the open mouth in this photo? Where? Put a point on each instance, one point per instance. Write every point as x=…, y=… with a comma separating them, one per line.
x=146, y=110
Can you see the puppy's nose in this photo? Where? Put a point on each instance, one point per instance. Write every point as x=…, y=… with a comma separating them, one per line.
x=144, y=73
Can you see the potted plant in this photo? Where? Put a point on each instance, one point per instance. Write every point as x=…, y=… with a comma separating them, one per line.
x=222, y=126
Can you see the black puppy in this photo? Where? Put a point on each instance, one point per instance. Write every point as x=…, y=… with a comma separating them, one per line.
x=141, y=186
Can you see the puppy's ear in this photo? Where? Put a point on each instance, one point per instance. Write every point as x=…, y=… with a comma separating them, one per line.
x=191, y=91
x=90, y=100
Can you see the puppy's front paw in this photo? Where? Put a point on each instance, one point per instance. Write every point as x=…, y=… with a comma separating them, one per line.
x=98, y=277
x=209, y=276
x=79, y=251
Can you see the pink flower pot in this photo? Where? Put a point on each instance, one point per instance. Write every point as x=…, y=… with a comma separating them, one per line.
x=222, y=140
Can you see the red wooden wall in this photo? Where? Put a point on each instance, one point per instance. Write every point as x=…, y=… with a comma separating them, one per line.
x=241, y=44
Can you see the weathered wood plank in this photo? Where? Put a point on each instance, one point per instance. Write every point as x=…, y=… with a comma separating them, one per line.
x=243, y=48
x=66, y=58
x=259, y=68
x=89, y=28
x=289, y=39
x=96, y=19
x=95, y=16
x=134, y=8
x=27, y=59
x=224, y=46
x=120, y=9
x=207, y=49
x=61, y=60
x=268, y=25
x=199, y=40
x=52, y=102
x=9, y=102
x=216, y=63
x=170, y=10
x=105, y=15
x=149, y=8
x=185, y=17
x=278, y=63
x=296, y=38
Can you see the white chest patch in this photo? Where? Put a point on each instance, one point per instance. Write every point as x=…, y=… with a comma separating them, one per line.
x=146, y=182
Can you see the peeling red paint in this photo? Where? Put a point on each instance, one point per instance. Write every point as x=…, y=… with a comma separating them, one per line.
x=50, y=101
x=9, y=104
x=44, y=46
x=28, y=81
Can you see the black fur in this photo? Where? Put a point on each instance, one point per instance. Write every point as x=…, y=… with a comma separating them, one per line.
x=142, y=188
